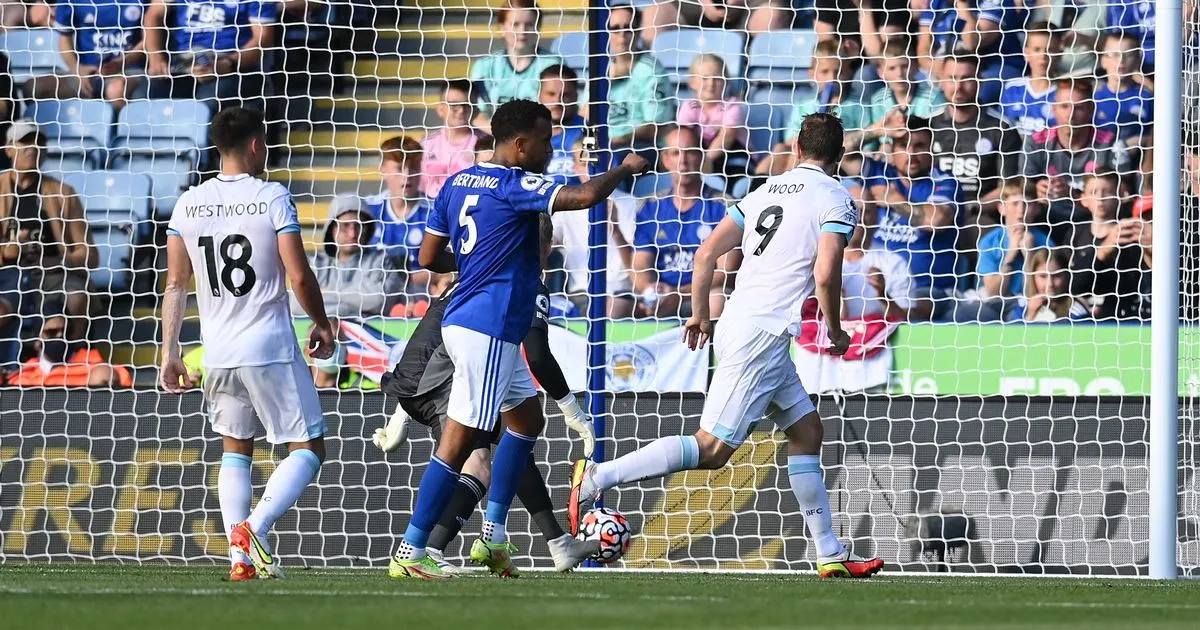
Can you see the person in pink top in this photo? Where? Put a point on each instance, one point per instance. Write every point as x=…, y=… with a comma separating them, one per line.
x=720, y=119
x=451, y=148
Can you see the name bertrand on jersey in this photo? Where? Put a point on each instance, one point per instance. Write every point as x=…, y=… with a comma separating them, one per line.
x=209, y=210
x=468, y=180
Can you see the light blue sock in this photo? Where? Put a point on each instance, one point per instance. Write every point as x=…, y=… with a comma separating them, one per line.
x=437, y=486
x=657, y=459
x=808, y=484
x=508, y=467
x=284, y=488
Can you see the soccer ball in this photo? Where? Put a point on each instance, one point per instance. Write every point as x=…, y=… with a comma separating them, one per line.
x=611, y=528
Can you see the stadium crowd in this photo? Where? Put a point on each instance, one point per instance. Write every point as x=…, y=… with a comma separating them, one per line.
x=1001, y=160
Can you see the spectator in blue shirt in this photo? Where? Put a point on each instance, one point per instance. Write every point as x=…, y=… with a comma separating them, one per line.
x=914, y=210
x=1135, y=17
x=989, y=29
x=1027, y=103
x=211, y=51
x=400, y=212
x=559, y=92
x=670, y=229
x=1125, y=100
x=1004, y=250
x=101, y=45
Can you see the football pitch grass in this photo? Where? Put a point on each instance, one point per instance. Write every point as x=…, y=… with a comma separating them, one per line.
x=96, y=597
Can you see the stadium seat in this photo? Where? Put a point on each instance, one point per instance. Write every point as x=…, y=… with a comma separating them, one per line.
x=178, y=127
x=113, y=195
x=169, y=176
x=31, y=52
x=765, y=122
x=75, y=126
x=675, y=50
x=781, y=56
x=573, y=48
x=114, y=239
x=59, y=164
x=780, y=95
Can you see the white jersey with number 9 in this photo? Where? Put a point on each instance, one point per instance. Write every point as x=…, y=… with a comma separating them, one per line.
x=230, y=226
x=783, y=220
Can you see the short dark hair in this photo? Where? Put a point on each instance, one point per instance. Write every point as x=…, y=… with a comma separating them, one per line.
x=966, y=58
x=635, y=23
x=1041, y=28
x=916, y=124
x=233, y=127
x=821, y=137
x=559, y=71
x=1079, y=85
x=462, y=85
x=517, y=117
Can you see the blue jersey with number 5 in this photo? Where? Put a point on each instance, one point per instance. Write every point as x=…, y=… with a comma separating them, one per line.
x=490, y=214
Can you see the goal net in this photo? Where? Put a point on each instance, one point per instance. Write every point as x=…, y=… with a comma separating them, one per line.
x=991, y=416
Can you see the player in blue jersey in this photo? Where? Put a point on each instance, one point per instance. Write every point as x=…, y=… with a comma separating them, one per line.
x=209, y=50
x=488, y=215
x=101, y=45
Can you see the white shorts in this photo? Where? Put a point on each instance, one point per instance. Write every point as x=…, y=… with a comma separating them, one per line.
x=281, y=396
x=755, y=377
x=489, y=377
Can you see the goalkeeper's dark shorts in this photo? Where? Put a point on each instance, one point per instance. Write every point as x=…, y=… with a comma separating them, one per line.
x=421, y=380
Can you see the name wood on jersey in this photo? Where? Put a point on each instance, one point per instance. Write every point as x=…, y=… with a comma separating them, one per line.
x=784, y=189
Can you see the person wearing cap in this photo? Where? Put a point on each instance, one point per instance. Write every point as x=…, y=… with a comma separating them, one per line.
x=46, y=251
x=358, y=281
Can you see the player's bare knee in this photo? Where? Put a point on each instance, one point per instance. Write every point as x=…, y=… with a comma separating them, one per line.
x=316, y=445
x=479, y=466
x=526, y=418
x=238, y=445
x=713, y=452
x=455, y=445
x=805, y=435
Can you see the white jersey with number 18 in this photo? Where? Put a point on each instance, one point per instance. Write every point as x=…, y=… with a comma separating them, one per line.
x=230, y=226
x=782, y=222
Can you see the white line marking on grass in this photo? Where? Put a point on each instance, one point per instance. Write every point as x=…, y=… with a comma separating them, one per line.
x=286, y=592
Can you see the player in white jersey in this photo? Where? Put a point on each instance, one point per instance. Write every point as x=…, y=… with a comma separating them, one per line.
x=792, y=231
x=242, y=238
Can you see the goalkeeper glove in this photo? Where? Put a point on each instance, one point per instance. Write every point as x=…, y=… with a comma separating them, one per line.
x=390, y=437
x=579, y=423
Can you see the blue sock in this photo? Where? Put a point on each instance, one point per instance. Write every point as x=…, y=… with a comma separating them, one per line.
x=437, y=486
x=508, y=467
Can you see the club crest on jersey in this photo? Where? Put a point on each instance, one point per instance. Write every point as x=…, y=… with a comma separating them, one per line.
x=531, y=182
x=133, y=13
x=630, y=367
x=703, y=231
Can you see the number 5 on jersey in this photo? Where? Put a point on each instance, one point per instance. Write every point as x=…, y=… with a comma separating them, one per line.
x=467, y=221
x=229, y=262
